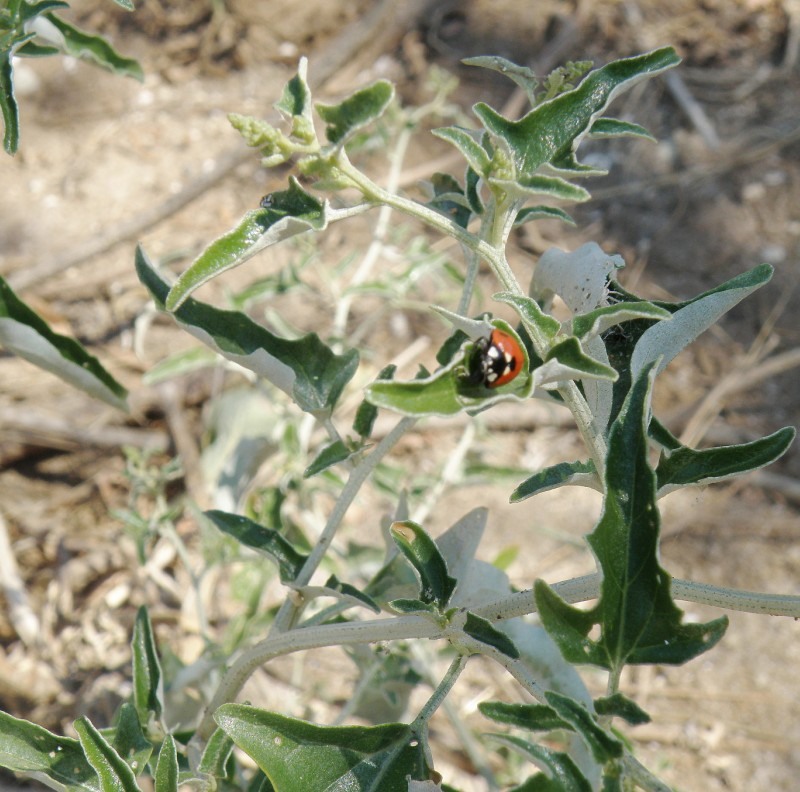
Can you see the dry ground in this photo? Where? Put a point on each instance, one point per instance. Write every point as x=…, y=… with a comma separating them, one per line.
x=106, y=162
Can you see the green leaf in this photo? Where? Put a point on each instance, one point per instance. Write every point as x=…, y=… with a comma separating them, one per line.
x=111, y=769
x=564, y=473
x=662, y=436
x=295, y=103
x=529, y=310
x=267, y=540
x=551, y=132
x=449, y=390
x=562, y=770
x=216, y=754
x=603, y=746
x=666, y=339
x=32, y=9
x=25, y=333
x=534, y=717
x=640, y=622
x=437, y=585
x=524, y=77
x=148, y=692
x=569, y=627
x=687, y=466
x=33, y=49
x=542, y=213
x=8, y=104
x=126, y=4
x=129, y=739
x=343, y=591
x=570, y=355
x=367, y=413
x=539, y=783
x=438, y=394
x=620, y=706
x=80, y=44
x=449, y=199
x=304, y=368
x=282, y=215
x=332, y=454
x=472, y=192
x=343, y=120
x=408, y=605
x=298, y=756
x=613, y=127
x=641, y=341
x=484, y=631
x=32, y=750
x=260, y=783
x=468, y=142
x=595, y=322
x=552, y=186
x=166, y=775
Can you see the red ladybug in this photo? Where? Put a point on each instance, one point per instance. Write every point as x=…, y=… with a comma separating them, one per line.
x=497, y=360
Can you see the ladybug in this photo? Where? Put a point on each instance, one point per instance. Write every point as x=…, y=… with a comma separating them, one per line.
x=497, y=360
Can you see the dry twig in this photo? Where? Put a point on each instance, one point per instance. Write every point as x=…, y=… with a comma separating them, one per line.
x=20, y=613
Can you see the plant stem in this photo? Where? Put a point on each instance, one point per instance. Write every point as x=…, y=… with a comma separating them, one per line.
x=737, y=599
x=290, y=609
x=379, y=234
x=380, y=196
x=517, y=667
x=416, y=626
x=423, y=655
x=440, y=693
x=472, y=261
x=585, y=588
x=396, y=628
x=282, y=638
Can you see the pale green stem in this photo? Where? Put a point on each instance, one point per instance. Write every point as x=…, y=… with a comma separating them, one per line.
x=282, y=639
x=517, y=667
x=441, y=692
x=737, y=599
x=397, y=628
x=379, y=234
x=587, y=587
x=445, y=225
x=290, y=608
x=422, y=654
x=417, y=626
x=473, y=262
x=612, y=685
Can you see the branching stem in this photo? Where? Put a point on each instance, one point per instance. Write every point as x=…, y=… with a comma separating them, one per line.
x=492, y=251
x=418, y=627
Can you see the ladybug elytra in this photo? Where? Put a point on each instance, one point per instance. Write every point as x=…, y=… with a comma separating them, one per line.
x=497, y=361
